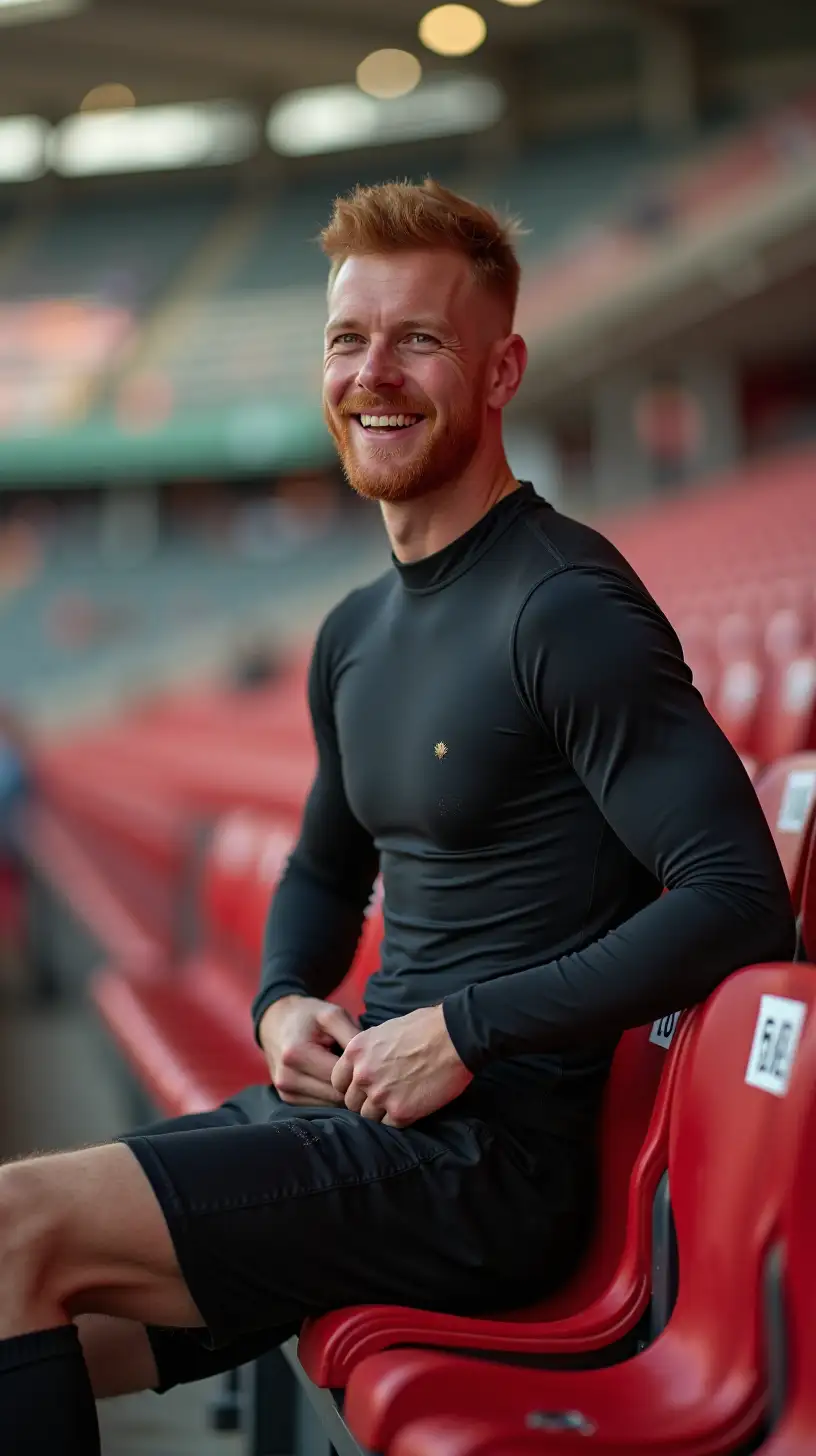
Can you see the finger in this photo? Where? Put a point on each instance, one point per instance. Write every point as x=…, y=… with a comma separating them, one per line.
x=294, y=1100
x=316, y=1061
x=355, y=1098
x=342, y=1075
x=372, y=1111
x=389, y=1121
x=338, y=1024
x=310, y=1089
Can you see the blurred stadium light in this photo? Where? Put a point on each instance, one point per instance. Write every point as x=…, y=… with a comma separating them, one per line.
x=452, y=30
x=23, y=141
x=153, y=138
x=335, y=118
x=15, y=12
x=389, y=73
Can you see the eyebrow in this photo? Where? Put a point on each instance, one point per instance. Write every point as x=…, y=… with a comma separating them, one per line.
x=424, y=325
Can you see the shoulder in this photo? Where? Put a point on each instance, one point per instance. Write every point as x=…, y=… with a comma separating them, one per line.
x=350, y=615
x=344, y=625
x=592, y=631
x=574, y=598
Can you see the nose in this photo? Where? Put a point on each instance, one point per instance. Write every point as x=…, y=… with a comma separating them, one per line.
x=379, y=369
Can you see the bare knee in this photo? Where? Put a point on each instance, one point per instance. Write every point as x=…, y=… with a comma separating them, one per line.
x=118, y=1354
x=29, y=1219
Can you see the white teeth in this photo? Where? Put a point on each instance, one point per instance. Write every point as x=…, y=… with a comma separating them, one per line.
x=387, y=422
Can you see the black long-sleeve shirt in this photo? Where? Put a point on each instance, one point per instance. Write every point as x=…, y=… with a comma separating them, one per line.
x=507, y=730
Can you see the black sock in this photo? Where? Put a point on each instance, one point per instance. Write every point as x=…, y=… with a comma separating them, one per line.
x=47, y=1407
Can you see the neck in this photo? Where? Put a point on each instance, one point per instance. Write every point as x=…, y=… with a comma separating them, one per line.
x=420, y=527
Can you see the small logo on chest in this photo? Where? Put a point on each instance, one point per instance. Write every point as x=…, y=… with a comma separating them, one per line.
x=440, y=749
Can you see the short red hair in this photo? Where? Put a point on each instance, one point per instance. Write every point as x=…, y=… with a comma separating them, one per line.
x=397, y=217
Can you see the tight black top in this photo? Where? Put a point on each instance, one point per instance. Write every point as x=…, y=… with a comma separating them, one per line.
x=507, y=731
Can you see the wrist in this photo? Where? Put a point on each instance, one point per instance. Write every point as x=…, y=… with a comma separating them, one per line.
x=271, y=1012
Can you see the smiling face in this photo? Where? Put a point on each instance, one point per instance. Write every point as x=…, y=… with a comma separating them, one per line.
x=410, y=344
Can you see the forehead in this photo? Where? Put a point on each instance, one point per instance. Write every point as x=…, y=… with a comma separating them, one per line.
x=377, y=287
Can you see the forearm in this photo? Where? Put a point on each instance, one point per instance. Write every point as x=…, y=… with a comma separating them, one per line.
x=311, y=936
x=669, y=956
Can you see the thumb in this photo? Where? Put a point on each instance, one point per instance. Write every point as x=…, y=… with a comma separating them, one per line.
x=337, y=1022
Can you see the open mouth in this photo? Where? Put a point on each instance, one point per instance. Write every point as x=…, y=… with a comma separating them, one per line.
x=387, y=425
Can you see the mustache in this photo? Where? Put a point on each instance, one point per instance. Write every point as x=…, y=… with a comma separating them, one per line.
x=365, y=404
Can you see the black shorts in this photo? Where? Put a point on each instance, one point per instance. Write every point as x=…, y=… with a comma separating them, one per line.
x=277, y=1213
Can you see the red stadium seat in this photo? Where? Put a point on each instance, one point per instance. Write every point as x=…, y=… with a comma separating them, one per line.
x=738, y=1116
x=787, y=793
x=737, y=701
x=610, y=1292
x=795, y=1435
x=787, y=720
x=808, y=907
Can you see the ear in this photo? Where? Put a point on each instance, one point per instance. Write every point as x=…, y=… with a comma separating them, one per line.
x=506, y=371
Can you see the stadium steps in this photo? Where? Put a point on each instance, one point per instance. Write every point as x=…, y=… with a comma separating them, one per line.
x=225, y=241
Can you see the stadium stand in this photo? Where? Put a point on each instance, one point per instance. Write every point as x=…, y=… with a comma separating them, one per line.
x=87, y=330
x=75, y=298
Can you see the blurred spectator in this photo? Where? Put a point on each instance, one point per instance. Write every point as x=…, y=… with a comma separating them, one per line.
x=257, y=666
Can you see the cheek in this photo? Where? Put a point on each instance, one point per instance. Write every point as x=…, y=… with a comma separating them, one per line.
x=337, y=380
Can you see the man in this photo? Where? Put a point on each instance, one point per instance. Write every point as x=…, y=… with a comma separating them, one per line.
x=508, y=733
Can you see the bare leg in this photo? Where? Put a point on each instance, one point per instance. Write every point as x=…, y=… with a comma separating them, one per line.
x=118, y=1355
x=83, y=1233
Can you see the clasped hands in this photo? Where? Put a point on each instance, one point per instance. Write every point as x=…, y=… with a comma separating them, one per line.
x=395, y=1073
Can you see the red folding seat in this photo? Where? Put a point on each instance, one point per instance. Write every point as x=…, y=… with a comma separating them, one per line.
x=787, y=718
x=808, y=908
x=738, y=1120
x=227, y=868
x=787, y=793
x=795, y=1435
x=609, y=1294
x=737, y=698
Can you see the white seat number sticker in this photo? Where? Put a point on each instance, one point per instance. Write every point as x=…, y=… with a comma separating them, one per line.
x=778, y=1029
x=664, y=1029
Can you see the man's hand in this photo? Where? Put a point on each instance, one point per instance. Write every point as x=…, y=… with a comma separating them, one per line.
x=402, y=1070
x=297, y=1034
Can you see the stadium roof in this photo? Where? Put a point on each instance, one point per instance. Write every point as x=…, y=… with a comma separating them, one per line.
x=556, y=53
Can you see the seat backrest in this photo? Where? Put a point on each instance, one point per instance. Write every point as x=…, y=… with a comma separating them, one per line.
x=787, y=722
x=796, y=1434
x=634, y=1132
x=808, y=908
x=787, y=793
x=737, y=1121
x=242, y=864
x=737, y=700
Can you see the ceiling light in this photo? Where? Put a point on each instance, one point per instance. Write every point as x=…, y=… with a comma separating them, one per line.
x=22, y=148
x=109, y=97
x=386, y=74
x=339, y=118
x=153, y=138
x=519, y=4
x=452, y=30
x=20, y=12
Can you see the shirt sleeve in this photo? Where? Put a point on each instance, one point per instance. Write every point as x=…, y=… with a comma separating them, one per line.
x=316, y=914
x=602, y=673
